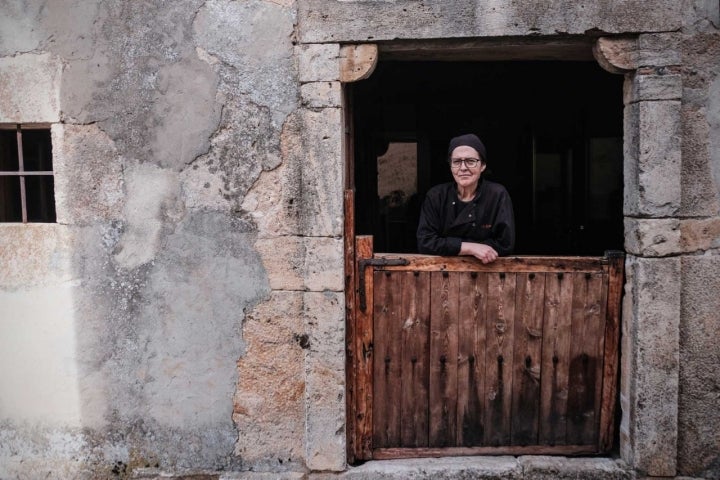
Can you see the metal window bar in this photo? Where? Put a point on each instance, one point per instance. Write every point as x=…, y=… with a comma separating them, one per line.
x=22, y=173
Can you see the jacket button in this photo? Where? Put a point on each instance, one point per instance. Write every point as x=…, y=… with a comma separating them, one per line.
x=473, y=224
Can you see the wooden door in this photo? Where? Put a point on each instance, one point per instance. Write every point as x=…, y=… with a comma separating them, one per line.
x=453, y=357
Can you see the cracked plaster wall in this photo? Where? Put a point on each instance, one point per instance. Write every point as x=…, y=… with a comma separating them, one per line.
x=199, y=197
x=122, y=323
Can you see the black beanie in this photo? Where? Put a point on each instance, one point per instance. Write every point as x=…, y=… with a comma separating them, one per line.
x=468, y=140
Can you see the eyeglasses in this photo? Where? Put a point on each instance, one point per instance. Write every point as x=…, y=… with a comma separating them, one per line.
x=455, y=163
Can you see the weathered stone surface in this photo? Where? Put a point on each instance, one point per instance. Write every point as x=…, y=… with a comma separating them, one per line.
x=700, y=192
x=274, y=203
x=659, y=49
x=551, y=468
x=652, y=158
x=318, y=62
x=283, y=261
x=269, y=404
x=323, y=173
x=321, y=94
x=617, y=55
x=152, y=198
x=88, y=175
x=699, y=426
x=650, y=365
x=30, y=88
x=653, y=87
x=325, y=376
x=253, y=40
x=652, y=237
x=461, y=468
x=148, y=91
x=324, y=267
x=700, y=234
x=340, y=21
x=48, y=262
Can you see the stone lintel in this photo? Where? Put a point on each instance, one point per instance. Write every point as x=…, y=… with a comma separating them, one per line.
x=650, y=365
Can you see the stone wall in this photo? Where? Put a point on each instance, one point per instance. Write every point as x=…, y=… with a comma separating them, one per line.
x=187, y=309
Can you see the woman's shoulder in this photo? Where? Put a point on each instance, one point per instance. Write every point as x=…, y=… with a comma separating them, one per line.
x=494, y=187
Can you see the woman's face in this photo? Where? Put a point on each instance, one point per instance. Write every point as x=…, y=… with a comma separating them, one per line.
x=466, y=177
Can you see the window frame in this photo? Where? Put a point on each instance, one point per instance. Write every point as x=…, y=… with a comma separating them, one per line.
x=21, y=172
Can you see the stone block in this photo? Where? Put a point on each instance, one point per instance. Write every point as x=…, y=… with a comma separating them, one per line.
x=551, y=468
x=274, y=202
x=30, y=88
x=652, y=158
x=700, y=234
x=659, y=49
x=269, y=402
x=318, y=62
x=325, y=381
x=262, y=476
x=653, y=87
x=650, y=369
x=324, y=264
x=283, y=258
x=321, y=94
x=323, y=173
x=652, y=237
x=88, y=175
x=700, y=155
x=698, y=416
x=447, y=468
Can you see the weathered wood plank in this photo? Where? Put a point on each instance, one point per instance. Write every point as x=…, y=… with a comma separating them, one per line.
x=387, y=366
x=471, y=358
x=527, y=355
x=415, y=358
x=498, y=358
x=443, y=359
x=557, y=323
x=610, y=356
x=585, y=362
x=390, y=453
x=527, y=264
x=350, y=360
x=364, y=358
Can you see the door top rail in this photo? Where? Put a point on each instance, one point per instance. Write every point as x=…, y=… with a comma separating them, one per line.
x=537, y=264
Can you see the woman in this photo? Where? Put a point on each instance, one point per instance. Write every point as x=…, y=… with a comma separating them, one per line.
x=471, y=216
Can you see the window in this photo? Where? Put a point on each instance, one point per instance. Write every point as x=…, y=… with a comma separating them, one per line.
x=26, y=174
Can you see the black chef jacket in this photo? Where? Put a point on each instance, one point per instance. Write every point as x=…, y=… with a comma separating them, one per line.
x=487, y=219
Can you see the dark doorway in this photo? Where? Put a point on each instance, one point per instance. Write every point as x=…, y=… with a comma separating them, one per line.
x=553, y=131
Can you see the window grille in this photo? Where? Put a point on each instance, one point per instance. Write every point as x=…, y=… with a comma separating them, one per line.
x=26, y=174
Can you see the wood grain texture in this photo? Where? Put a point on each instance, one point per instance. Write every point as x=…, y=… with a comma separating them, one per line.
x=350, y=360
x=415, y=358
x=363, y=413
x=390, y=453
x=528, y=264
x=443, y=359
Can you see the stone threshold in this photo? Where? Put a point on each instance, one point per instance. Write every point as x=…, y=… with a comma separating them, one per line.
x=462, y=468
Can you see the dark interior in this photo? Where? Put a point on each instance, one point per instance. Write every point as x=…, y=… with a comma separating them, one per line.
x=553, y=132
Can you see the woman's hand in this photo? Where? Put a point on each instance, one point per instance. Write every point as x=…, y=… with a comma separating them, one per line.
x=484, y=253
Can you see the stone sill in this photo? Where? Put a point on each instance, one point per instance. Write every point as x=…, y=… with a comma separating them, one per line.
x=486, y=468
